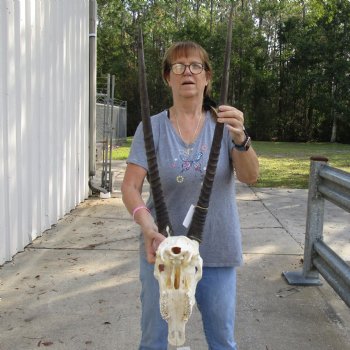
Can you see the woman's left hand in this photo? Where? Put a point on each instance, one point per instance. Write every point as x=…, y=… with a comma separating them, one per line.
x=234, y=120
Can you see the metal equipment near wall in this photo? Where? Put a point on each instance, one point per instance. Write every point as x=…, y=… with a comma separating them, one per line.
x=333, y=185
x=110, y=127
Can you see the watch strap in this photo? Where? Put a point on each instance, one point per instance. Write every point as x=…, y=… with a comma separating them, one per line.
x=244, y=146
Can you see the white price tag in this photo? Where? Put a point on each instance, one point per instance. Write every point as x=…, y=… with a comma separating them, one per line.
x=188, y=217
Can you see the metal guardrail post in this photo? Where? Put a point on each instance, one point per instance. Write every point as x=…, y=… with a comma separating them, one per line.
x=326, y=183
x=309, y=275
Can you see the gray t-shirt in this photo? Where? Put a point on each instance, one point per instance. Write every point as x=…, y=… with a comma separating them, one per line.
x=182, y=170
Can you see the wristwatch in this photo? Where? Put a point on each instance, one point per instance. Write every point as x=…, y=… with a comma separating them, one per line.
x=246, y=143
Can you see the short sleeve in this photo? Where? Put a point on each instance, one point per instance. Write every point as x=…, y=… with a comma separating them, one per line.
x=137, y=153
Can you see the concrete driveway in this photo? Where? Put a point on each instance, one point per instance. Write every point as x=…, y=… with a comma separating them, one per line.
x=77, y=287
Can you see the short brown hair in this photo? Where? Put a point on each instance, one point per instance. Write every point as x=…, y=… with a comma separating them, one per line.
x=184, y=48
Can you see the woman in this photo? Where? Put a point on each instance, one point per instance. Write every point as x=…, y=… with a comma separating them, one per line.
x=182, y=137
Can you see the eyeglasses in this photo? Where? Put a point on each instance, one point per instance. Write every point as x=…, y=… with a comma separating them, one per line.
x=179, y=68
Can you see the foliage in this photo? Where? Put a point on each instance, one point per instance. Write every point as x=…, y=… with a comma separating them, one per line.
x=290, y=60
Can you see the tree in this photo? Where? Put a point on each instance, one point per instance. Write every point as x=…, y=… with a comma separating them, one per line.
x=289, y=61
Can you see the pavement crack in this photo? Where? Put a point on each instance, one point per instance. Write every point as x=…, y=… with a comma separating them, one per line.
x=99, y=217
x=273, y=254
x=82, y=249
x=278, y=220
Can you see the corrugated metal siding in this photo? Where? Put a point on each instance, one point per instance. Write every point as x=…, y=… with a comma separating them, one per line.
x=44, y=92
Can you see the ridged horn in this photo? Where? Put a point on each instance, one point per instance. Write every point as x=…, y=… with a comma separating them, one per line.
x=162, y=216
x=195, y=230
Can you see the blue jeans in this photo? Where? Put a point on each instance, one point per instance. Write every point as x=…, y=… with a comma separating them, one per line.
x=216, y=300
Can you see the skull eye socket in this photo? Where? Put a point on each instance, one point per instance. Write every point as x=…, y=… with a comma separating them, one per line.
x=176, y=250
x=161, y=267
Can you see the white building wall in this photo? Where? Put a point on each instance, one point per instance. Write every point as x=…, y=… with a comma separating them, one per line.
x=44, y=92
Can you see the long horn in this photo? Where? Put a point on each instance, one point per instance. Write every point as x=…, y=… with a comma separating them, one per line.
x=162, y=215
x=195, y=230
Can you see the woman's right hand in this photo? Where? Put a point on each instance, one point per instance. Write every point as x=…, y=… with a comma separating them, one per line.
x=152, y=240
x=131, y=189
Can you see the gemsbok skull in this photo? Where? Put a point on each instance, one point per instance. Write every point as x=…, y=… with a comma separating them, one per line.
x=178, y=268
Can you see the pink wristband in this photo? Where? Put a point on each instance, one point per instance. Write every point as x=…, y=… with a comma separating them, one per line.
x=137, y=209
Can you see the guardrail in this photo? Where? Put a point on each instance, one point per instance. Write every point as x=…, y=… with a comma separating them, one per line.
x=325, y=183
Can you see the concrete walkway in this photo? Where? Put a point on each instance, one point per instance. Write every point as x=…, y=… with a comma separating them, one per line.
x=77, y=287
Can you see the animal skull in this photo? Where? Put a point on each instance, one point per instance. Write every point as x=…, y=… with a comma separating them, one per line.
x=178, y=268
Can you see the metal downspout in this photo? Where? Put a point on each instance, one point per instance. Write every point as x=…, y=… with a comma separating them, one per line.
x=92, y=97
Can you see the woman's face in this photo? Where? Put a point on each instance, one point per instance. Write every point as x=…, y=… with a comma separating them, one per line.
x=187, y=84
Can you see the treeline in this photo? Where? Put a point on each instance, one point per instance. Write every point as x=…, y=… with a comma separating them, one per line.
x=290, y=60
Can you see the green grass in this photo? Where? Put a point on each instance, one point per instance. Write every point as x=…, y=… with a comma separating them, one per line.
x=122, y=152
x=287, y=164
x=283, y=164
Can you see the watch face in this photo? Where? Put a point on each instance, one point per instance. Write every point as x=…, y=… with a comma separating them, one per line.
x=248, y=143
